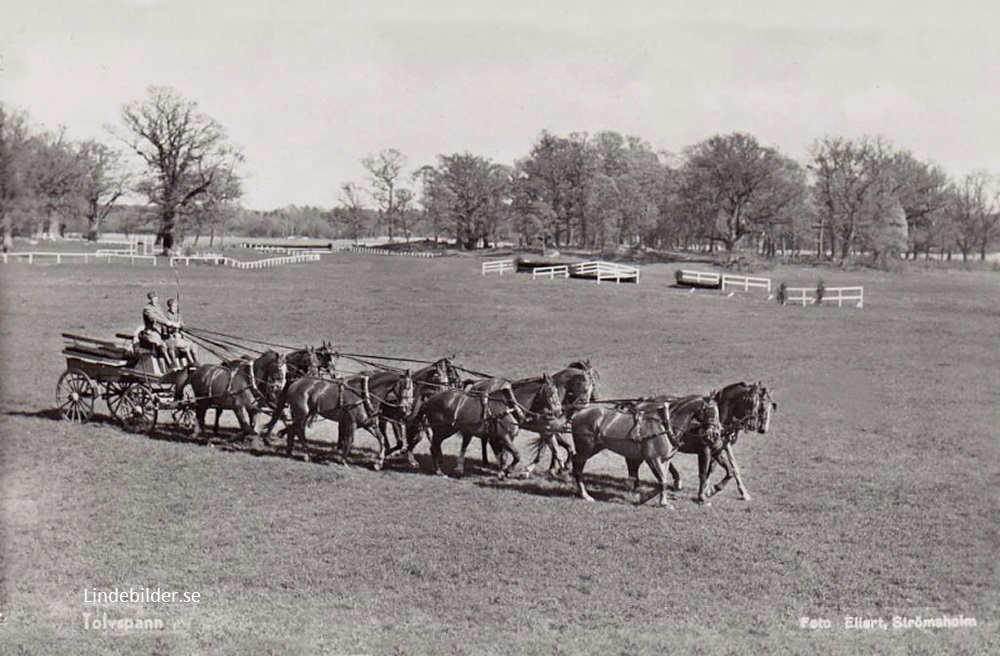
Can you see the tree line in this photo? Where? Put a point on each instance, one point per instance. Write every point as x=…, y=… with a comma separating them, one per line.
x=603, y=191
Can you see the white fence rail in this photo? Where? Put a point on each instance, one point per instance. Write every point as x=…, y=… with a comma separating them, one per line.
x=840, y=295
x=498, y=266
x=273, y=261
x=746, y=283
x=555, y=271
x=39, y=256
x=606, y=271
x=207, y=259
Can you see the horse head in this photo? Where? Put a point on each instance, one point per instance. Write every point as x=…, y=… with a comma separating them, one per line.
x=325, y=357
x=404, y=392
x=547, y=402
x=763, y=406
x=708, y=415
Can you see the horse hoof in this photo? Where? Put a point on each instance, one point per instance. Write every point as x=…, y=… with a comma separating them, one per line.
x=745, y=497
x=377, y=466
x=678, y=487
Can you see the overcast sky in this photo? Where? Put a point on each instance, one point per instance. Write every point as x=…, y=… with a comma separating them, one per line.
x=309, y=87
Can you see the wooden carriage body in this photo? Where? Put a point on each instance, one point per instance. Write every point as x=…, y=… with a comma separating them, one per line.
x=128, y=376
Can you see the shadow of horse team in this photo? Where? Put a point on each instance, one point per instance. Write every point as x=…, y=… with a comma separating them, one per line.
x=435, y=401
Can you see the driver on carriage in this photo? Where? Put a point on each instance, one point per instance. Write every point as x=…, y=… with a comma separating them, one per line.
x=177, y=344
x=155, y=324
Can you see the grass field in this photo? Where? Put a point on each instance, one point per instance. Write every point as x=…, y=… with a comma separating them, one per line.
x=876, y=494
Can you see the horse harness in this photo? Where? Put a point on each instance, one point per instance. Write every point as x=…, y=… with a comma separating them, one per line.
x=641, y=417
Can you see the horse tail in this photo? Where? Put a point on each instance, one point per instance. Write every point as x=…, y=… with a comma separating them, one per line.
x=536, y=444
x=179, y=379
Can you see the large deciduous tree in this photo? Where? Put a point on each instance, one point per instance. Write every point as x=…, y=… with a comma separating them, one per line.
x=739, y=187
x=853, y=189
x=473, y=192
x=14, y=154
x=385, y=171
x=187, y=156
x=102, y=184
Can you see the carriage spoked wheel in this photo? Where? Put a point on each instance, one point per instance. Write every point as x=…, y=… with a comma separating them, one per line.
x=114, y=395
x=75, y=395
x=184, y=415
x=138, y=409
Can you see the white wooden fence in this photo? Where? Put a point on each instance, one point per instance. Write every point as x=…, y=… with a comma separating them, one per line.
x=498, y=266
x=746, y=283
x=554, y=271
x=273, y=261
x=840, y=295
x=606, y=271
x=33, y=256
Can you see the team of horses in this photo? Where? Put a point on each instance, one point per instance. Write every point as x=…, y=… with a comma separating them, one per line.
x=302, y=386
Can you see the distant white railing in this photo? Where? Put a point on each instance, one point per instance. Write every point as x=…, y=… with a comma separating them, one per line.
x=498, y=266
x=745, y=283
x=273, y=261
x=32, y=256
x=555, y=271
x=207, y=259
x=606, y=271
x=386, y=251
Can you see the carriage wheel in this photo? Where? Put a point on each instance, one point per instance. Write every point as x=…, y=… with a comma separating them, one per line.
x=114, y=394
x=184, y=415
x=138, y=409
x=75, y=395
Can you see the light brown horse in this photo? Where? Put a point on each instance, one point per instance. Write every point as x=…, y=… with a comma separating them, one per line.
x=242, y=386
x=310, y=397
x=643, y=431
x=494, y=416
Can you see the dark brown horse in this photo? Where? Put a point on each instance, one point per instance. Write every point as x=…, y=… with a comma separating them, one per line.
x=542, y=415
x=644, y=431
x=577, y=385
x=310, y=397
x=385, y=393
x=742, y=406
x=494, y=416
x=242, y=386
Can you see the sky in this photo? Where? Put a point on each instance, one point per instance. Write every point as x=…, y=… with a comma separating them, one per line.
x=308, y=88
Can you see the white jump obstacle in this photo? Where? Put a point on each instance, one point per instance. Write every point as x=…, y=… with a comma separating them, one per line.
x=605, y=271
x=550, y=272
x=498, y=266
x=840, y=295
x=746, y=283
x=706, y=278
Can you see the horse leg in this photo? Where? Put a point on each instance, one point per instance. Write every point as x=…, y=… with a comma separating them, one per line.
x=413, y=436
x=676, y=475
x=584, y=451
x=482, y=441
x=507, y=443
x=372, y=427
x=654, y=464
x=566, y=444
x=728, y=462
x=704, y=463
x=438, y=435
x=200, y=410
x=633, y=474
x=460, y=463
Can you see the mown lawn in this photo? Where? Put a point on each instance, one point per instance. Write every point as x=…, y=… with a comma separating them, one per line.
x=876, y=494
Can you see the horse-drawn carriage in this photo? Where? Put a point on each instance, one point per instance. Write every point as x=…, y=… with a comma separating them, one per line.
x=130, y=377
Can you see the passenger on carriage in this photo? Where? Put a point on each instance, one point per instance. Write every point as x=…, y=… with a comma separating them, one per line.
x=177, y=344
x=155, y=324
